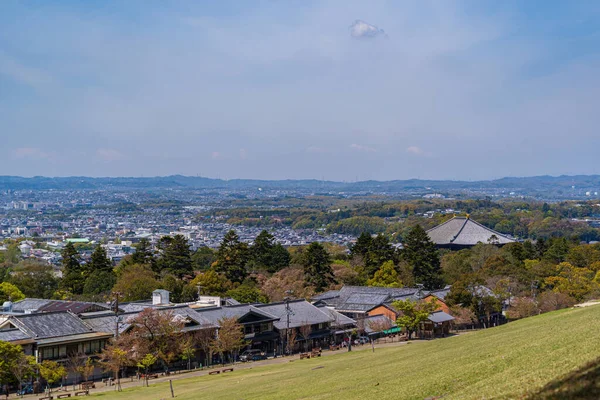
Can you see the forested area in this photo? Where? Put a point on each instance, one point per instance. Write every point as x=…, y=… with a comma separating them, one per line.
x=523, y=219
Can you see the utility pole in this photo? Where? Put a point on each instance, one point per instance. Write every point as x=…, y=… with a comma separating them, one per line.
x=288, y=312
x=117, y=294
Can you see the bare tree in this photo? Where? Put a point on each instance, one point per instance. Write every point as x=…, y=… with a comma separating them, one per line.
x=115, y=357
x=205, y=339
x=22, y=369
x=305, y=331
x=230, y=338
x=159, y=333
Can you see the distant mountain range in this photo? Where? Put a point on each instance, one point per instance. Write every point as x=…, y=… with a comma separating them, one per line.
x=563, y=186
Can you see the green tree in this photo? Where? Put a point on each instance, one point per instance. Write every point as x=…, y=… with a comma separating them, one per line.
x=265, y=253
x=8, y=291
x=203, y=258
x=175, y=256
x=9, y=355
x=136, y=282
x=232, y=257
x=317, y=267
x=99, y=282
x=143, y=254
x=212, y=283
x=35, y=279
x=146, y=363
x=413, y=314
x=386, y=276
x=52, y=372
x=73, y=278
x=247, y=293
x=420, y=252
x=99, y=261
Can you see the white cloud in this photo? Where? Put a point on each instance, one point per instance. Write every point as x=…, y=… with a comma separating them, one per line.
x=109, y=155
x=243, y=154
x=362, y=29
x=417, y=151
x=33, y=153
x=360, y=147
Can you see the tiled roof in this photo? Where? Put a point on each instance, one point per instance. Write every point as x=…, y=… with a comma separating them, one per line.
x=11, y=335
x=44, y=305
x=440, y=316
x=302, y=313
x=338, y=319
x=370, y=322
x=214, y=314
x=47, y=325
x=464, y=232
x=364, y=298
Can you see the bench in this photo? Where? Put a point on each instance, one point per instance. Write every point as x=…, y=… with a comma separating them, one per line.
x=214, y=372
x=228, y=370
x=334, y=347
x=88, y=385
x=82, y=393
x=46, y=398
x=62, y=396
x=315, y=354
x=304, y=355
x=153, y=376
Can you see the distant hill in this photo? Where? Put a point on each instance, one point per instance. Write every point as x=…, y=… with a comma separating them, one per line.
x=562, y=185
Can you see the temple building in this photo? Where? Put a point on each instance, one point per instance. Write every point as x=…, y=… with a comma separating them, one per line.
x=463, y=232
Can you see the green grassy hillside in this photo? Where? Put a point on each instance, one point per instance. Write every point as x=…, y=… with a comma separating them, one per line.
x=551, y=356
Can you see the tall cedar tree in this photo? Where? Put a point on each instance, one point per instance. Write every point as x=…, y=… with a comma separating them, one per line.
x=99, y=261
x=73, y=278
x=100, y=276
x=373, y=251
x=175, y=257
x=317, y=267
x=232, y=257
x=420, y=252
x=143, y=253
x=268, y=254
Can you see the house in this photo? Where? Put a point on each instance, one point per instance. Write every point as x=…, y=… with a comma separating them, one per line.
x=462, y=232
x=257, y=324
x=309, y=326
x=363, y=303
x=52, y=335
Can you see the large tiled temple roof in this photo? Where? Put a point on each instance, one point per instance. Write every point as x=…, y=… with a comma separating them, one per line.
x=463, y=231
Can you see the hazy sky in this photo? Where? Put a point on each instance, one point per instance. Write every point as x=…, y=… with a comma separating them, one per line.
x=340, y=90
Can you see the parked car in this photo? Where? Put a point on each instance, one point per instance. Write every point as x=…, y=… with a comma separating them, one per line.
x=253, y=355
x=364, y=340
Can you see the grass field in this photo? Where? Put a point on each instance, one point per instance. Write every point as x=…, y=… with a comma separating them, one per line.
x=551, y=356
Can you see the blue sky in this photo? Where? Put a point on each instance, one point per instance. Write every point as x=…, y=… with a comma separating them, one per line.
x=341, y=90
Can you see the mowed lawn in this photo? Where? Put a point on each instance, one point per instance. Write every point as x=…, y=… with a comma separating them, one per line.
x=512, y=361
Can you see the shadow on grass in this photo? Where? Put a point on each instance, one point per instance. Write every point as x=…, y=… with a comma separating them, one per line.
x=583, y=383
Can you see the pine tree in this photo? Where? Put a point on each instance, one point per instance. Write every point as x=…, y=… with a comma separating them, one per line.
x=143, y=253
x=317, y=267
x=175, y=257
x=420, y=252
x=99, y=274
x=266, y=253
x=232, y=257
x=72, y=273
x=99, y=261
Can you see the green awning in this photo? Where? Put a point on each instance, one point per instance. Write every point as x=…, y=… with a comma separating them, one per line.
x=395, y=329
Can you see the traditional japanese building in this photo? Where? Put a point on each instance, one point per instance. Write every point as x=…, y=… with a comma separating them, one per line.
x=463, y=232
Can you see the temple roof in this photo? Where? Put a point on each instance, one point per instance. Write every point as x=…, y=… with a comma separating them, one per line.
x=463, y=231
